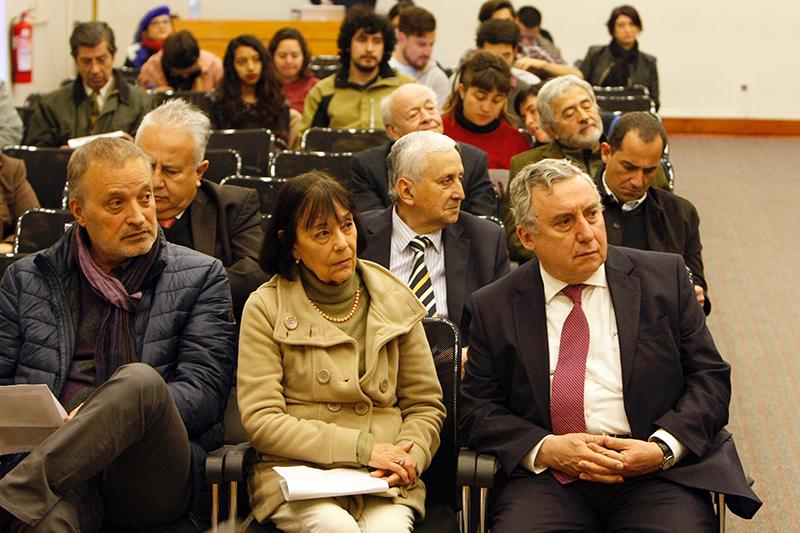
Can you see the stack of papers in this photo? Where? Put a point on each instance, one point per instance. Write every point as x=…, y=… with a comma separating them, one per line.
x=77, y=142
x=306, y=483
x=28, y=415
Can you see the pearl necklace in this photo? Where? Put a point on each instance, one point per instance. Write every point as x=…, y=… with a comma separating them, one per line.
x=345, y=318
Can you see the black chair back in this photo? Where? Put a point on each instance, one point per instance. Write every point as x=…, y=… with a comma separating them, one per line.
x=254, y=146
x=626, y=103
x=341, y=140
x=47, y=171
x=200, y=99
x=222, y=163
x=324, y=66
x=267, y=189
x=445, y=343
x=130, y=75
x=635, y=90
x=40, y=228
x=291, y=164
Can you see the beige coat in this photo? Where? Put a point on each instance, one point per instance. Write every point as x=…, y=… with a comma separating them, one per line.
x=300, y=396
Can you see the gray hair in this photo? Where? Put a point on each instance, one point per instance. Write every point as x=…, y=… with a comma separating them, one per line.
x=545, y=174
x=408, y=157
x=179, y=114
x=110, y=152
x=386, y=103
x=552, y=91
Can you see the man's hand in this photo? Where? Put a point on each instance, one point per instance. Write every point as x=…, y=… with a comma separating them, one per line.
x=72, y=413
x=639, y=457
x=530, y=63
x=581, y=455
x=701, y=295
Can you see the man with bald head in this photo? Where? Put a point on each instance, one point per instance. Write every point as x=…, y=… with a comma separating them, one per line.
x=412, y=107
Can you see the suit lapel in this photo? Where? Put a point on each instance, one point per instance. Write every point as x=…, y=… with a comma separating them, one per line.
x=456, y=267
x=379, y=237
x=204, y=224
x=530, y=324
x=626, y=296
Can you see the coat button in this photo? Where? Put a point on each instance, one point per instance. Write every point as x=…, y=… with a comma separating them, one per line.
x=290, y=322
x=323, y=376
x=361, y=408
x=333, y=407
x=384, y=386
x=616, y=225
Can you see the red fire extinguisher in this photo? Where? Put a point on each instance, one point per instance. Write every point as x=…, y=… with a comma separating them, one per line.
x=22, y=49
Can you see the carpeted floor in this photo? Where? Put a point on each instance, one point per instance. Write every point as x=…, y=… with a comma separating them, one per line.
x=747, y=191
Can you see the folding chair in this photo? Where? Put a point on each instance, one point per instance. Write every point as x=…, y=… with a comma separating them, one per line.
x=40, y=228
x=7, y=259
x=47, y=172
x=267, y=189
x=222, y=163
x=626, y=103
x=254, y=146
x=323, y=66
x=290, y=164
x=634, y=90
x=341, y=140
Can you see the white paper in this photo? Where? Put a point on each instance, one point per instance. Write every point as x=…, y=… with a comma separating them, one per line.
x=28, y=415
x=77, y=142
x=305, y=483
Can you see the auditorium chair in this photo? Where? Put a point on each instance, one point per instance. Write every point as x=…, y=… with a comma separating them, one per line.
x=199, y=99
x=323, y=66
x=40, y=228
x=267, y=189
x=47, y=172
x=341, y=140
x=222, y=163
x=254, y=146
x=289, y=164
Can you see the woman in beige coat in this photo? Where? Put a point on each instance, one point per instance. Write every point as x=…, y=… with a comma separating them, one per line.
x=335, y=369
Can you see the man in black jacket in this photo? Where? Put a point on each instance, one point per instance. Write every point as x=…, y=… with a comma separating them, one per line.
x=412, y=107
x=638, y=215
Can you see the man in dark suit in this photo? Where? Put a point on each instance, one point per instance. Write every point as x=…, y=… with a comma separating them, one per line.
x=638, y=215
x=412, y=107
x=223, y=222
x=463, y=253
x=594, y=380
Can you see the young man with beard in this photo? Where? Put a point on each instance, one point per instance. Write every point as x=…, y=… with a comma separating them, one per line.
x=351, y=97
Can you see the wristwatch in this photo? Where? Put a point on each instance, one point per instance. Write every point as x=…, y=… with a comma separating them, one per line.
x=669, y=457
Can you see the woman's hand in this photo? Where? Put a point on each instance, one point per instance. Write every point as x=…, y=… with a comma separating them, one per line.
x=393, y=463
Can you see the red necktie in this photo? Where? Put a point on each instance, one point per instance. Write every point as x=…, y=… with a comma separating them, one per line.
x=566, y=390
x=167, y=223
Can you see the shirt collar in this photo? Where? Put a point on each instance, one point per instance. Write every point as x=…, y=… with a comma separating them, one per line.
x=104, y=90
x=406, y=234
x=627, y=206
x=553, y=286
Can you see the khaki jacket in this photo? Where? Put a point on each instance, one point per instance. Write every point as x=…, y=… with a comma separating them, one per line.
x=300, y=396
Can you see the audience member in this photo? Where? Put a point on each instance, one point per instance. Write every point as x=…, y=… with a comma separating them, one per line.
x=181, y=66
x=135, y=337
x=620, y=63
x=594, y=380
x=412, y=107
x=416, y=34
x=537, y=53
x=11, y=127
x=249, y=95
x=476, y=111
x=16, y=197
x=149, y=38
x=460, y=252
x=223, y=222
x=290, y=60
x=371, y=396
x=394, y=12
x=351, y=97
x=638, y=215
x=496, y=9
x=99, y=101
x=526, y=108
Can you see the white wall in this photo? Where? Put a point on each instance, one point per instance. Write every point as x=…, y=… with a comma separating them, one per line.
x=706, y=49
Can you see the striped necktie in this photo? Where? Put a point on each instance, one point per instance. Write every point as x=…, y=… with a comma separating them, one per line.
x=566, y=390
x=420, y=280
x=94, y=111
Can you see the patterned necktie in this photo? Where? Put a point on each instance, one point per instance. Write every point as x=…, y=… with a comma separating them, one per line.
x=566, y=390
x=94, y=112
x=420, y=280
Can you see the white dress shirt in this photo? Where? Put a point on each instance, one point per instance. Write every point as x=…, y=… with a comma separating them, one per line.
x=627, y=206
x=401, y=259
x=604, y=409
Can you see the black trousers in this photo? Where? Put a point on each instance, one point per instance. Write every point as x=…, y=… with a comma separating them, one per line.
x=123, y=461
x=646, y=504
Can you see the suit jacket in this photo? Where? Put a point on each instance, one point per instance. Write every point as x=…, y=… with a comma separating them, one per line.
x=671, y=224
x=370, y=183
x=672, y=374
x=16, y=195
x=474, y=255
x=226, y=224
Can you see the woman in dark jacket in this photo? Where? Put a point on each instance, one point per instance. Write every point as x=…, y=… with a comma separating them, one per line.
x=249, y=95
x=620, y=63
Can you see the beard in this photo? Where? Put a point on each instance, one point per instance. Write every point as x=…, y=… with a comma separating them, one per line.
x=584, y=141
x=366, y=69
x=419, y=63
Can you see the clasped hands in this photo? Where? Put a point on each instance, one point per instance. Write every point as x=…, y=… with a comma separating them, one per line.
x=599, y=458
x=393, y=463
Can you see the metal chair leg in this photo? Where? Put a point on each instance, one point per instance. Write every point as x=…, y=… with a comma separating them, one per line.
x=721, y=511
x=465, y=505
x=233, y=510
x=484, y=493
x=214, y=508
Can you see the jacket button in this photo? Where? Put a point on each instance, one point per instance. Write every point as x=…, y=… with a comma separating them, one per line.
x=290, y=322
x=384, y=386
x=323, y=376
x=361, y=408
x=616, y=225
x=333, y=407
